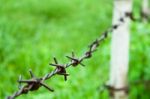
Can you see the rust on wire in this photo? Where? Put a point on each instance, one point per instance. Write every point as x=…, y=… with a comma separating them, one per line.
x=34, y=83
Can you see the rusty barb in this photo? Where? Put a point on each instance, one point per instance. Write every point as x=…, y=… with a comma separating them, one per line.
x=34, y=83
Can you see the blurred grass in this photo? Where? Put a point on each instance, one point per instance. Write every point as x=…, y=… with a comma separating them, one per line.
x=33, y=31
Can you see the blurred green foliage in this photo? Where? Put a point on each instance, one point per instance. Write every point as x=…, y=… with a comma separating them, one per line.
x=33, y=31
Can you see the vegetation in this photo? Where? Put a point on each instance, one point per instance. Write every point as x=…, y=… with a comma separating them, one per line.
x=33, y=31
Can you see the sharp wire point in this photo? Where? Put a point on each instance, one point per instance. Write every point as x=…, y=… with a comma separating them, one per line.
x=73, y=55
x=71, y=58
x=20, y=78
x=31, y=73
x=82, y=64
x=55, y=60
x=47, y=87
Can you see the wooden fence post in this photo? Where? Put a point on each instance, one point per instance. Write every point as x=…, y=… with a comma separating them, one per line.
x=145, y=9
x=120, y=49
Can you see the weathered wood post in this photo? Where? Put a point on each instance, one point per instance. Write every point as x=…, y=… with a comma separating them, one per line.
x=145, y=9
x=120, y=50
x=145, y=6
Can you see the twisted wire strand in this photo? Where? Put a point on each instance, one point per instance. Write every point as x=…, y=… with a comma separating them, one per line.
x=34, y=83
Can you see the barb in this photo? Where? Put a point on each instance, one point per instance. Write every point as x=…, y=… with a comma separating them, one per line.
x=35, y=83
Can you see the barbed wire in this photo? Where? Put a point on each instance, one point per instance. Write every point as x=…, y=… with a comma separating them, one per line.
x=34, y=83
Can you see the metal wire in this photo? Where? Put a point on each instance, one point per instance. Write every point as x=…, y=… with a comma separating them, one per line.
x=34, y=83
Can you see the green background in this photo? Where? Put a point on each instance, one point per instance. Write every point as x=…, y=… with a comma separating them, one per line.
x=32, y=32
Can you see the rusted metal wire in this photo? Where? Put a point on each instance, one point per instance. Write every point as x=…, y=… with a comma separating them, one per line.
x=34, y=83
